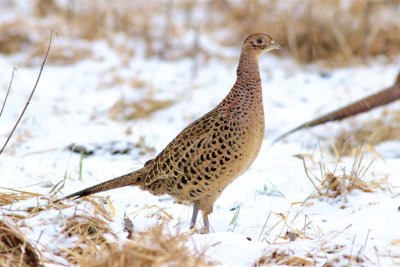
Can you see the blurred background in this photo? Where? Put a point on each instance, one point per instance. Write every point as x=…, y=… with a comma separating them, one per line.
x=337, y=32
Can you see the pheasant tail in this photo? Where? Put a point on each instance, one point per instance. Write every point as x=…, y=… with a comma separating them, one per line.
x=378, y=99
x=133, y=178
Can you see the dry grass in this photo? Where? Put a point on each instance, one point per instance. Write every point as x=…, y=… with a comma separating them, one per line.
x=345, y=261
x=282, y=258
x=61, y=53
x=154, y=247
x=15, y=249
x=335, y=185
x=124, y=109
x=28, y=36
x=371, y=132
x=87, y=239
x=285, y=228
x=128, y=110
x=340, y=182
x=339, y=32
x=14, y=35
x=13, y=196
x=90, y=232
x=85, y=230
x=333, y=257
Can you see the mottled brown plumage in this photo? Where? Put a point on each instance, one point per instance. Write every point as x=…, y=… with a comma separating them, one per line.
x=212, y=151
x=365, y=104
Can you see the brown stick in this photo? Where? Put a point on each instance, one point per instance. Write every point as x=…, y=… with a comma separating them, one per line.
x=30, y=97
x=378, y=99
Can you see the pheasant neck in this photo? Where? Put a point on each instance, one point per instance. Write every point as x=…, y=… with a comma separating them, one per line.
x=248, y=74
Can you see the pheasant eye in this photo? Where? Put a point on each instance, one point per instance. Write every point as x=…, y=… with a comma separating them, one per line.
x=259, y=41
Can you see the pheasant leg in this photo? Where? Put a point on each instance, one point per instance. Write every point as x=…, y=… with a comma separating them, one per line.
x=194, y=215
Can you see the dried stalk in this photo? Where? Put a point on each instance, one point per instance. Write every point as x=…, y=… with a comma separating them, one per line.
x=30, y=97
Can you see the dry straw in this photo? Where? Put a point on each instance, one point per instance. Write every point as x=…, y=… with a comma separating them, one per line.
x=340, y=181
x=336, y=31
x=15, y=249
x=129, y=110
x=11, y=196
x=156, y=246
x=282, y=258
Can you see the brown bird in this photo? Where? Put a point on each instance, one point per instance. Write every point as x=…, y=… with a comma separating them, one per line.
x=202, y=160
x=365, y=104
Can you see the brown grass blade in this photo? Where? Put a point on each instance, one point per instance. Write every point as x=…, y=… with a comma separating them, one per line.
x=15, y=249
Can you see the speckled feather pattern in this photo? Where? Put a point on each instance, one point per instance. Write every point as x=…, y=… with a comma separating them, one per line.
x=215, y=149
x=199, y=163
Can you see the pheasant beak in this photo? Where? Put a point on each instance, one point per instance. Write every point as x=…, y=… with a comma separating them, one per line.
x=273, y=45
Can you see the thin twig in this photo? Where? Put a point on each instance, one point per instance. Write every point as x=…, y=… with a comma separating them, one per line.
x=309, y=177
x=351, y=249
x=30, y=97
x=265, y=224
x=366, y=240
x=8, y=91
x=340, y=232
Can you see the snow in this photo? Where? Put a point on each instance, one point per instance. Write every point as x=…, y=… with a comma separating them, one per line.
x=71, y=105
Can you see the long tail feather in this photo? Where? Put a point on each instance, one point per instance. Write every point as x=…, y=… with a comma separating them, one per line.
x=132, y=178
x=378, y=99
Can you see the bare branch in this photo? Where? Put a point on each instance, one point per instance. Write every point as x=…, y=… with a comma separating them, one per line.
x=8, y=91
x=30, y=97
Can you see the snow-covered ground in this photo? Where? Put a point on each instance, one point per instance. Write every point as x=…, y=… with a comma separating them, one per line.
x=72, y=106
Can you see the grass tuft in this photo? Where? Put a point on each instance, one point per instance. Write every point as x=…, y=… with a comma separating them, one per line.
x=85, y=231
x=282, y=258
x=340, y=181
x=89, y=231
x=128, y=110
x=155, y=247
x=15, y=249
x=13, y=196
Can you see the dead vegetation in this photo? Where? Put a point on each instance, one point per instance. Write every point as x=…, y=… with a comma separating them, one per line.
x=62, y=53
x=89, y=232
x=333, y=257
x=11, y=196
x=139, y=147
x=339, y=181
x=372, y=132
x=87, y=239
x=338, y=32
x=155, y=247
x=286, y=228
x=15, y=249
x=336, y=257
x=130, y=110
x=14, y=36
x=86, y=230
x=345, y=261
x=82, y=231
x=283, y=258
x=25, y=35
